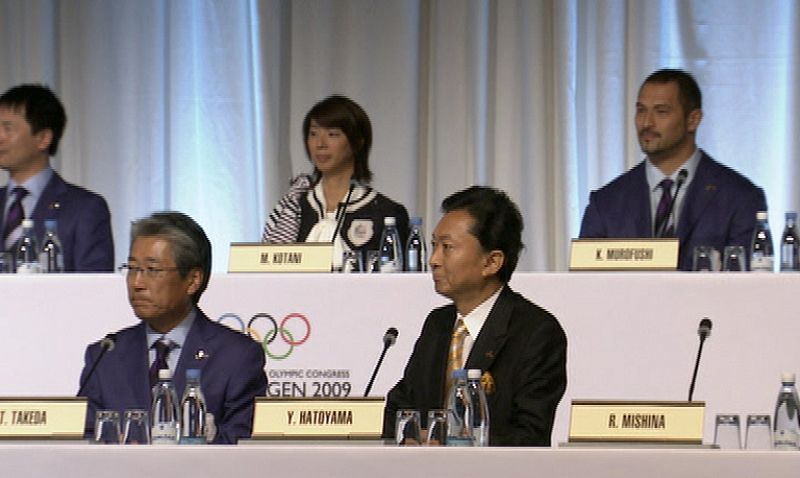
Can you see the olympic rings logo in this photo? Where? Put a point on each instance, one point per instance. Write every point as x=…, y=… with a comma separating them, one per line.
x=292, y=336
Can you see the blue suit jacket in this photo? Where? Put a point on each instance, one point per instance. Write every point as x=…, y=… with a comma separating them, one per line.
x=232, y=375
x=84, y=224
x=719, y=209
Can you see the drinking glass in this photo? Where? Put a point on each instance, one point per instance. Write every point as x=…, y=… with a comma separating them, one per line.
x=352, y=261
x=106, y=427
x=6, y=262
x=372, y=262
x=734, y=260
x=137, y=428
x=407, y=429
x=727, y=432
x=759, y=433
x=437, y=427
x=704, y=259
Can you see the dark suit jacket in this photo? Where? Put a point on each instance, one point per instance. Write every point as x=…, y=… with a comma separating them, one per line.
x=524, y=349
x=84, y=224
x=232, y=375
x=719, y=209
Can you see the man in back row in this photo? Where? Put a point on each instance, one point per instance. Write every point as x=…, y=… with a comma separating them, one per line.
x=32, y=120
x=713, y=205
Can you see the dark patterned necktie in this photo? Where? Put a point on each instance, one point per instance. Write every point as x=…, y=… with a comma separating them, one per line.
x=662, y=211
x=15, y=213
x=163, y=347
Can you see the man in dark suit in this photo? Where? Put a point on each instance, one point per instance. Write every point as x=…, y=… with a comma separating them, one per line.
x=520, y=347
x=714, y=205
x=167, y=271
x=32, y=121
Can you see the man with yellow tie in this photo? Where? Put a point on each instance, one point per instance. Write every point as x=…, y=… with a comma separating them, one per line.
x=520, y=348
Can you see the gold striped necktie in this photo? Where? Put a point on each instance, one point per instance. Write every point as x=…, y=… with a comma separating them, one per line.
x=456, y=351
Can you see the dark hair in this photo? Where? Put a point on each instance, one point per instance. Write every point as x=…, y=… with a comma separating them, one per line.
x=341, y=112
x=497, y=222
x=43, y=110
x=688, y=91
x=190, y=245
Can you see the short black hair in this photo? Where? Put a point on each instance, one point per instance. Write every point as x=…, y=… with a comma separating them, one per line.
x=337, y=111
x=688, y=90
x=190, y=245
x=497, y=222
x=43, y=110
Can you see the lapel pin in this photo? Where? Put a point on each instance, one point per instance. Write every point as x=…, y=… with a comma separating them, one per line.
x=490, y=355
x=488, y=383
x=55, y=205
x=201, y=355
x=711, y=187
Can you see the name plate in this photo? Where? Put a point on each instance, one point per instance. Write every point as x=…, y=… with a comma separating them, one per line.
x=297, y=257
x=349, y=418
x=636, y=421
x=42, y=418
x=623, y=254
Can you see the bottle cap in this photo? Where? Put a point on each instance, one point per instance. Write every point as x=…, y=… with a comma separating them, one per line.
x=164, y=374
x=762, y=216
x=474, y=373
x=192, y=374
x=416, y=221
x=787, y=377
x=27, y=223
x=389, y=221
x=460, y=374
x=50, y=224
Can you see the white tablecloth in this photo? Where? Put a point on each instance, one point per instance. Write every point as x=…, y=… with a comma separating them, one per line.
x=287, y=461
x=631, y=336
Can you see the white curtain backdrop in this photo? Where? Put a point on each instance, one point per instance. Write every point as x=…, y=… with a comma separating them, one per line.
x=196, y=105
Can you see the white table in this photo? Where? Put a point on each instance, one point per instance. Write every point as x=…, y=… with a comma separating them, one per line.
x=631, y=335
x=286, y=461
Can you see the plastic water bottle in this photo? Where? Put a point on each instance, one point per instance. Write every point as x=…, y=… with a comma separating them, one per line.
x=164, y=411
x=786, y=421
x=789, y=244
x=416, y=252
x=51, y=258
x=459, y=412
x=193, y=411
x=480, y=408
x=391, y=251
x=761, y=254
x=27, y=257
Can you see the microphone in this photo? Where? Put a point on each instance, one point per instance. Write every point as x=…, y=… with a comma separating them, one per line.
x=343, y=210
x=389, y=338
x=681, y=179
x=106, y=345
x=704, y=331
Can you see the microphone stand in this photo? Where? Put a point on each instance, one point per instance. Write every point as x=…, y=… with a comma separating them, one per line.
x=704, y=331
x=696, y=366
x=106, y=344
x=386, y=345
x=343, y=209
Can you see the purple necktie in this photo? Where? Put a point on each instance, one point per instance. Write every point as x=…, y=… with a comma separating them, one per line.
x=662, y=211
x=163, y=347
x=15, y=212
